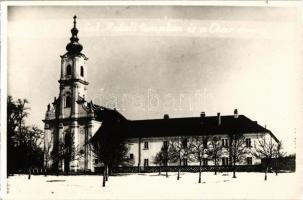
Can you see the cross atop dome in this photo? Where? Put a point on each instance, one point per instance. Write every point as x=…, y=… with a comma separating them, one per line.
x=74, y=47
x=75, y=18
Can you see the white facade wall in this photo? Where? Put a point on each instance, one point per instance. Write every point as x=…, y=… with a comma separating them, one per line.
x=155, y=145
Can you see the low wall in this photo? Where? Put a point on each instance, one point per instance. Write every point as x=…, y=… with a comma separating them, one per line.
x=286, y=164
x=280, y=164
x=240, y=168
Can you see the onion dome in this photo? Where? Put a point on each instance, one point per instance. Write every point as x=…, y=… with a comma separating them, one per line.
x=74, y=47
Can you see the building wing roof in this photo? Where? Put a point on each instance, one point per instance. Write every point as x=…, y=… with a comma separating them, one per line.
x=194, y=126
x=190, y=126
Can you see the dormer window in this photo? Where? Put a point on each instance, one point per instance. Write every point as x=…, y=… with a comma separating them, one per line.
x=81, y=71
x=67, y=102
x=69, y=70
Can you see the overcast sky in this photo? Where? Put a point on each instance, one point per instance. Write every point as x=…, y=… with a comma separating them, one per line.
x=148, y=61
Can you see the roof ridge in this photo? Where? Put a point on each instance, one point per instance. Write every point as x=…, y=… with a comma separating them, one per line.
x=197, y=117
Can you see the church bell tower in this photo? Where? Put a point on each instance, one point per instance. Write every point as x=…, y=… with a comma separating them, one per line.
x=70, y=119
x=73, y=86
x=73, y=76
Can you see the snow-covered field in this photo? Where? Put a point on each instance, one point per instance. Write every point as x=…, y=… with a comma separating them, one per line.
x=153, y=186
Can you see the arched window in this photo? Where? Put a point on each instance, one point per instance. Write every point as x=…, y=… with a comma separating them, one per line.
x=67, y=101
x=69, y=70
x=82, y=71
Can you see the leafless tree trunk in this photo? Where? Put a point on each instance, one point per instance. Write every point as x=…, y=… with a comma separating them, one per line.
x=200, y=163
x=234, y=168
x=45, y=172
x=215, y=166
x=178, y=177
x=29, y=173
x=104, y=176
x=106, y=173
x=159, y=169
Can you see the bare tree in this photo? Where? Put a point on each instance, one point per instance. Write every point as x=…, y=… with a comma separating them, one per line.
x=109, y=146
x=32, y=141
x=237, y=150
x=215, y=151
x=21, y=115
x=199, y=149
x=279, y=153
x=179, y=150
x=162, y=158
x=159, y=160
x=266, y=148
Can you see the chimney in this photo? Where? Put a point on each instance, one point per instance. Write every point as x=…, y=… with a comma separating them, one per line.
x=202, y=115
x=166, y=116
x=236, y=113
x=219, y=119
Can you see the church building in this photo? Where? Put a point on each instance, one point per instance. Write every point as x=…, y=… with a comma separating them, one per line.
x=71, y=121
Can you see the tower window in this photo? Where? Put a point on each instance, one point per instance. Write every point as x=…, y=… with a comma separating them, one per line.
x=82, y=71
x=69, y=70
x=67, y=101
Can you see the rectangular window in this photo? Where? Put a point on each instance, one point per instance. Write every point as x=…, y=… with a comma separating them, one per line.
x=249, y=160
x=165, y=144
x=225, y=143
x=184, y=161
x=184, y=143
x=96, y=161
x=224, y=161
x=204, y=144
x=248, y=142
x=205, y=162
x=131, y=156
x=145, y=145
x=145, y=162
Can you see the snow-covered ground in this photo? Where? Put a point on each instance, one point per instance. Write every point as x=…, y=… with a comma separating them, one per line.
x=153, y=186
